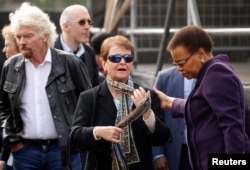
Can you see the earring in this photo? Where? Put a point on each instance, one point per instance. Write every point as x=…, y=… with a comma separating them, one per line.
x=202, y=60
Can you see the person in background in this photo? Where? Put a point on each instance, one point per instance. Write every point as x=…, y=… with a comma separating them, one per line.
x=10, y=49
x=39, y=89
x=101, y=109
x=10, y=45
x=96, y=42
x=174, y=154
x=214, y=111
x=75, y=23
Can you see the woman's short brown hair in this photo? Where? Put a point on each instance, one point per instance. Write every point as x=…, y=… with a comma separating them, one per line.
x=118, y=40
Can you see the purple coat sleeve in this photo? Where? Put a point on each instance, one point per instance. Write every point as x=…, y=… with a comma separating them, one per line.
x=178, y=108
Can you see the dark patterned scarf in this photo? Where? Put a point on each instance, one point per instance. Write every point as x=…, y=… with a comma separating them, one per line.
x=126, y=153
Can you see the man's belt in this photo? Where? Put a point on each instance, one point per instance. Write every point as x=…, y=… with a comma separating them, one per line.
x=40, y=142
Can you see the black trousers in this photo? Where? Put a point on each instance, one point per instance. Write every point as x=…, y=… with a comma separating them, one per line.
x=184, y=162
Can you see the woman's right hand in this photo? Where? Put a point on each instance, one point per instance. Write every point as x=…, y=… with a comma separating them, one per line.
x=166, y=101
x=108, y=133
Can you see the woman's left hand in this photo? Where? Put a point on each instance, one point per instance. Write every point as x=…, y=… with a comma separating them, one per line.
x=139, y=96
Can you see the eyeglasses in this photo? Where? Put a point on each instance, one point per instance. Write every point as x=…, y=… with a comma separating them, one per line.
x=83, y=22
x=182, y=62
x=116, y=58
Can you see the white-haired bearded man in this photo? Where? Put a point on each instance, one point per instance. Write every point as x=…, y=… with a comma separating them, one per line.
x=38, y=94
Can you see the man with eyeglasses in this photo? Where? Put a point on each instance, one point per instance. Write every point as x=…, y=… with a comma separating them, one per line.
x=75, y=22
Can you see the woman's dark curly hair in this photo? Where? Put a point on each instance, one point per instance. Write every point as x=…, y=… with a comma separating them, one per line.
x=192, y=38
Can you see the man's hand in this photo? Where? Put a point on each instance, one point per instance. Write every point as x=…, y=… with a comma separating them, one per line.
x=16, y=147
x=2, y=164
x=161, y=163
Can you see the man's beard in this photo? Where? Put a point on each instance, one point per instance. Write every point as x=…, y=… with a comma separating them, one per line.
x=26, y=52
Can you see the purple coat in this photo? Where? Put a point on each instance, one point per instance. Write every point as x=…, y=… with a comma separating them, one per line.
x=214, y=113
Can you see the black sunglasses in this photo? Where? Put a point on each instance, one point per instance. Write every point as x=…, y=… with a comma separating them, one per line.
x=83, y=22
x=116, y=58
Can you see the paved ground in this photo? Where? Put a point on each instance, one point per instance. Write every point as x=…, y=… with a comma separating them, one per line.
x=242, y=69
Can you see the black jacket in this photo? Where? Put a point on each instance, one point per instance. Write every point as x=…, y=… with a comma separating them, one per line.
x=96, y=108
x=66, y=81
x=89, y=60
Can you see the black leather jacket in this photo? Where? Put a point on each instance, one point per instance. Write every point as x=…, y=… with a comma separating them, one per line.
x=67, y=79
x=89, y=60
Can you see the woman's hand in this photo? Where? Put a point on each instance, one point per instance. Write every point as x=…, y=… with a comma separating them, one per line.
x=108, y=133
x=140, y=95
x=166, y=101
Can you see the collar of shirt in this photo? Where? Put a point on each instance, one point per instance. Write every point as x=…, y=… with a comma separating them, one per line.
x=188, y=86
x=67, y=49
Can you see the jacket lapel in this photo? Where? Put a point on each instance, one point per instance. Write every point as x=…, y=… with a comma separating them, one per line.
x=57, y=68
x=106, y=101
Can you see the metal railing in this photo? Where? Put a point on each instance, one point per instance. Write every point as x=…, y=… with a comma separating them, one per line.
x=159, y=31
x=193, y=17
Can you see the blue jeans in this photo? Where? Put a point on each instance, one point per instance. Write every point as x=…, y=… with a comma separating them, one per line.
x=48, y=157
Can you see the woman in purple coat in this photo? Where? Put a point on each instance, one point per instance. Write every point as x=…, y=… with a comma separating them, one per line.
x=214, y=111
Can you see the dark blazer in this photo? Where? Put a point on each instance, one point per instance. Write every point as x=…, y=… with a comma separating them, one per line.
x=96, y=108
x=89, y=60
x=171, y=82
